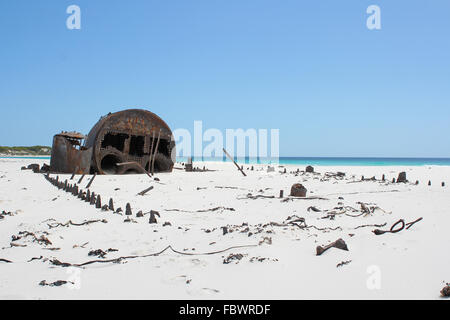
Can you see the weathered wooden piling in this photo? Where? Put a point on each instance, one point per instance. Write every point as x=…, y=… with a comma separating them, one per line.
x=75, y=190
x=111, y=204
x=402, y=177
x=281, y=193
x=81, y=179
x=92, y=202
x=92, y=180
x=153, y=215
x=128, y=210
x=224, y=230
x=188, y=167
x=98, y=203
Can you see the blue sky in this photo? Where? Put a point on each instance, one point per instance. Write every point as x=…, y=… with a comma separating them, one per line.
x=309, y=68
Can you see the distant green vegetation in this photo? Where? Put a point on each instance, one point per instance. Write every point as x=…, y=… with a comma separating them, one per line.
x=19, y=151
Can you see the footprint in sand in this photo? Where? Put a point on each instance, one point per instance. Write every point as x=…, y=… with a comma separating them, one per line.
x=209, y=291
x=176, y=280
x=202, y=292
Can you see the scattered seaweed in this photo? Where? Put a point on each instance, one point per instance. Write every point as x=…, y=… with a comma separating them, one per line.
x=57, y=283
x=56, y=262
x=202, y=210
x=58, y=224
x=233, y=258
x=343, y=263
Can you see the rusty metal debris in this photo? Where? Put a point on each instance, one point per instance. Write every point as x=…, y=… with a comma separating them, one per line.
x=298, y=190
x=137, y=139
x=153, y=215
x=340, y=244
x=229, y=157
x=393, y=229
x=143, y=192
x=445, y=292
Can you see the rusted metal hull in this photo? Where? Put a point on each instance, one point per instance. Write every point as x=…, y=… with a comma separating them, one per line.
x=67, y=159
x=138, y=139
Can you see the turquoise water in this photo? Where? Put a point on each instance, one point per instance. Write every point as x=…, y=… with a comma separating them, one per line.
x=319, y=161
x=338, y=161
x=43, y=157
x=368, y=161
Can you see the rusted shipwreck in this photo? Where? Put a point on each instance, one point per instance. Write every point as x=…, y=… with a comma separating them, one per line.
x=129, y=141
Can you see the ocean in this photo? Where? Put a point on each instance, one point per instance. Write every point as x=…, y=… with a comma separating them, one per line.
x=338, y=161
x=318, y=161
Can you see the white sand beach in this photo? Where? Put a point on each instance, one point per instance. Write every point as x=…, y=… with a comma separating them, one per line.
x=278, y=261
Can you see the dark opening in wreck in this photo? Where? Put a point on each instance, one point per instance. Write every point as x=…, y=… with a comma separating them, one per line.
x=124, y=142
